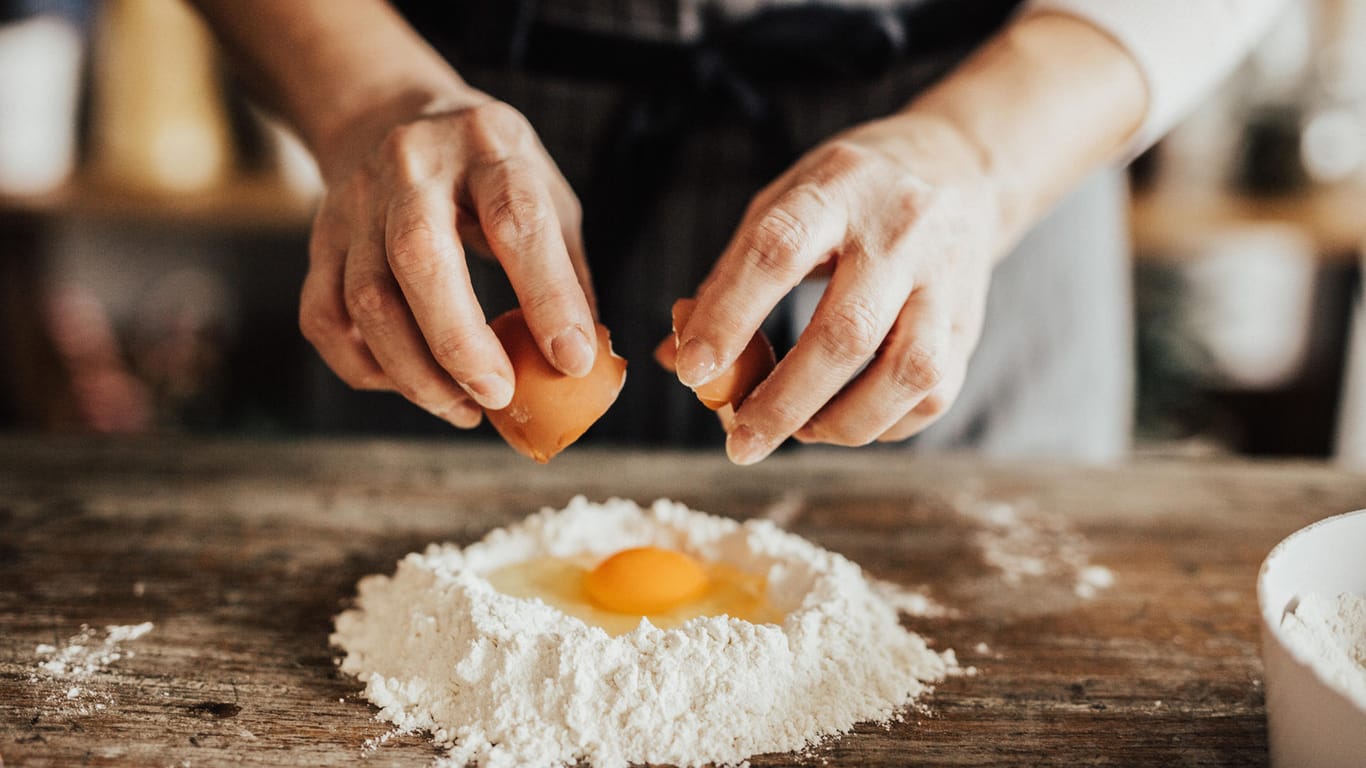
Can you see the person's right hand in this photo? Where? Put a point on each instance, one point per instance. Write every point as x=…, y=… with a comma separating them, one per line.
x=388, y=302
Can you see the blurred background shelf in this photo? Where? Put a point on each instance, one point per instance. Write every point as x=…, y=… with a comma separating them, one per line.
x=248, y=203
x=1169, y=223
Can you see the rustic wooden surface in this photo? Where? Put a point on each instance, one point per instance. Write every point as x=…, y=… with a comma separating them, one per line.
x=241, y=553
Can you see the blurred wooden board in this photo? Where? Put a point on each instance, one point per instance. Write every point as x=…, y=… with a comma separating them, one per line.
x=244, y=203
x=1170, y=224
x=241, y=552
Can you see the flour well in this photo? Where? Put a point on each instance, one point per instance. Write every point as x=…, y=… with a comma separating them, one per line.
x=1330, y=632
x=506, y=681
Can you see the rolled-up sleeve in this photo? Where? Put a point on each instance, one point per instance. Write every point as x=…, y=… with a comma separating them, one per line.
x=1183, y=47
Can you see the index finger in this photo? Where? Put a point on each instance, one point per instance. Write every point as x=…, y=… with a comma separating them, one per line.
x=524, y=231
x=428, y=262
x=772, y=251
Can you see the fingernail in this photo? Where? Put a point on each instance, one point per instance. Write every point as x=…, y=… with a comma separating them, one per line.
x=491, y=390
x=572, y=351
x=696, y=362
x=745, y=446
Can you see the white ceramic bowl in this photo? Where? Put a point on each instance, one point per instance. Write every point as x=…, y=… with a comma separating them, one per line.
x=1310, y=723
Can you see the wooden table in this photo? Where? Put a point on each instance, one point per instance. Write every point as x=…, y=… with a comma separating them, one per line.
x=241, y=552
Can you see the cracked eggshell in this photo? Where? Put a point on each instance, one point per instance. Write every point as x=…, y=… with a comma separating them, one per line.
x=753, y=365
x=550, y=410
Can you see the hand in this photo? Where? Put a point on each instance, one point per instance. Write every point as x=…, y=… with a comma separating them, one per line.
x=902, y=215
x=387, y=300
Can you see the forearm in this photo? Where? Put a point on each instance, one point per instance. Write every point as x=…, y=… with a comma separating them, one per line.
x=1183, y=47
x=1045, y=102
x=335, y=70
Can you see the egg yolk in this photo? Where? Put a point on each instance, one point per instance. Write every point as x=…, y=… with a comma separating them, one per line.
x=645, y=580
x=668, y=587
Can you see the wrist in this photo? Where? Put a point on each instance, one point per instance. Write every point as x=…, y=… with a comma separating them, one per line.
x=1045, y=102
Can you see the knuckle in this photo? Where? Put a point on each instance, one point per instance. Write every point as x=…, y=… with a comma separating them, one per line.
x=918, y=369
x=846, y=155
x=850, y=333
x=547, y=299
x=905, y=207
x=453, y=350
x=406, y=155
x=515, y=218
x=416, y=251
x=410, y=251
x=495, y=118
x=370, y=298
x=810, y=196
x=777, y=243
x=911, y=198
x=396, y=148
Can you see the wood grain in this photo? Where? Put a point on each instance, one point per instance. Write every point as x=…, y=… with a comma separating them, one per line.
x=241, y=552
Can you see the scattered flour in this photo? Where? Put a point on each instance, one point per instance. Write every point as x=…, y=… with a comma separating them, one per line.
x=84, y=654
x=1092, y=579
x=914, y=603
x=504, y=681
x=79, y=659
x=955, y=669
x=1331, y=632
x=1023, y=544
x=375, y=742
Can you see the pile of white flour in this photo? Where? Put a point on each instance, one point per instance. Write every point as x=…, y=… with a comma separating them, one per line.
x=1331, y=633
x=504, y=681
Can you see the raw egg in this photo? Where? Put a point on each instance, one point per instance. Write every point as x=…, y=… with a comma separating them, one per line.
x=550, y=410
x=734, y=384
x=666, y=586
x=645, y=580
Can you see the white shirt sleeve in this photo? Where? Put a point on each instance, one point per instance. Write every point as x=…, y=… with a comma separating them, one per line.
x=1183, y=47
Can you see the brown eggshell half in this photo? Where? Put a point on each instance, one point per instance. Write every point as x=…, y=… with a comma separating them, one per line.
x=734, y=384
x=550, y=410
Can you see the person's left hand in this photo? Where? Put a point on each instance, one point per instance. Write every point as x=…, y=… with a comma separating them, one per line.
x=903, y=216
